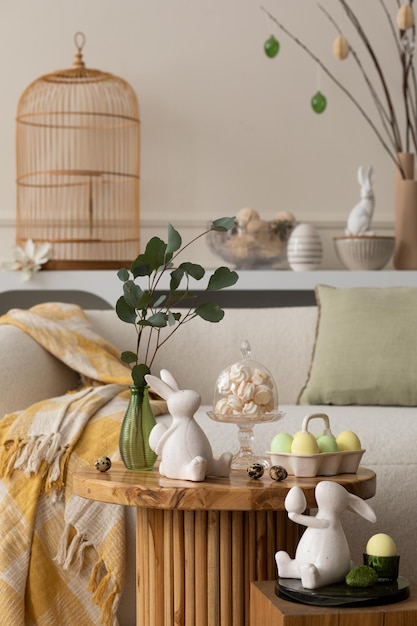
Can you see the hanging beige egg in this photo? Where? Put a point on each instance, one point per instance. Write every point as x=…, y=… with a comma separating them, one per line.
x=405, y=17
x=340, y=48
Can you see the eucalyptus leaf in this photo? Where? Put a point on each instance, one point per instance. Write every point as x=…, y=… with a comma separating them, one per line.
x=210, y=312
x=223, y=224
x=129, y=357
x=140, y=266
x=159, y=301
x=125, y=312
x=176, y=277
x=132, y=293
x=174, y=239
x=158, y=320
x=138, y=374
x=144, y=301
x=123, y=274
x=222, y=278
x=194, y=270
x=155, y=253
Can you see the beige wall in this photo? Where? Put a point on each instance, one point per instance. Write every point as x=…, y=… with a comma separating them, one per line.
x=223, y=126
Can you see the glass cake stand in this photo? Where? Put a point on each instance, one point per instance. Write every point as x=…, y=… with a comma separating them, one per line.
x=245, y=423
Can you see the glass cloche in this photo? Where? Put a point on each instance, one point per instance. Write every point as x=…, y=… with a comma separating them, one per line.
x=245, y=394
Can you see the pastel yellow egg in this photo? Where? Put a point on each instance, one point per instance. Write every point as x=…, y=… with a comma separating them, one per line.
x=304, y=443
x=348, y=440
x=381, y=545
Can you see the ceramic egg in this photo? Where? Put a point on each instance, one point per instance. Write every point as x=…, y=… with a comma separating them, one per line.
x=103, y=464
x=348, y=440
x=255, y=470
x=381, y=545
x=278, y=473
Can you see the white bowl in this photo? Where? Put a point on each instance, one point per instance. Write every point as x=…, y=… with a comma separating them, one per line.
x=322, y=464
x=365, y=252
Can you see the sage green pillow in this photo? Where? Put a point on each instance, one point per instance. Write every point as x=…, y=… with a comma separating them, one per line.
x=365, y=347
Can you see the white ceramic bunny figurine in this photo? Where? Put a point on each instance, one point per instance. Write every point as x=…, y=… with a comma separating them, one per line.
x=360, y=217
x=322, y=556
x=185, y=451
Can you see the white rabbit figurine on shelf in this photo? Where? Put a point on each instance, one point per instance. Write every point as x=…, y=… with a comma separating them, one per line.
x=184, y=449
x=322, y=556
x=360, y=217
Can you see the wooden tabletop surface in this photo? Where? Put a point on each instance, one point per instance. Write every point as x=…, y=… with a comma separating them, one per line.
x=148, y=489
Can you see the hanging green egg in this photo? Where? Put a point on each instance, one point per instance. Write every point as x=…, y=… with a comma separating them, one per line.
x=318, y=102
x=271, y=47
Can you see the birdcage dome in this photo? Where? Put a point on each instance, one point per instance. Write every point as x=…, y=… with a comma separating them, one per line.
x=77, y=147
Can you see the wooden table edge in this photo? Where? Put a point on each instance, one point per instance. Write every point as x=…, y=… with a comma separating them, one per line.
x=148, y=489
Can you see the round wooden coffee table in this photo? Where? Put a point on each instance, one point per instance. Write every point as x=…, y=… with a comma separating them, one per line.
x=199, y=545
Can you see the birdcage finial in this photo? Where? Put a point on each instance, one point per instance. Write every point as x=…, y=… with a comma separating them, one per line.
x=79, y=40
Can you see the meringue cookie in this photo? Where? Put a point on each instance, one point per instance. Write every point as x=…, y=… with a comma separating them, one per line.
x=224, y=383
x=250, y=408
x=240, y=372
x=261, y=378
x=223, y=408
x=234, y=403
x=246, y=390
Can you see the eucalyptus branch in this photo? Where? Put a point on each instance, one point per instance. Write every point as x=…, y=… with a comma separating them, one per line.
x=336, y=82
x=150, y=313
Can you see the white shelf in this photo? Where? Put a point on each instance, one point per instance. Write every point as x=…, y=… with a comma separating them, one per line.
x=107, y=285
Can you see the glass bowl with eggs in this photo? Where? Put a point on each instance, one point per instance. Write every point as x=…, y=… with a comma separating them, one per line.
x=254, y=243
x=307, y=455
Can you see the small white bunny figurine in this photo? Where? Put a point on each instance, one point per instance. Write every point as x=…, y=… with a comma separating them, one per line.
x=185, y=451
x=360, y=217
x=322, y=556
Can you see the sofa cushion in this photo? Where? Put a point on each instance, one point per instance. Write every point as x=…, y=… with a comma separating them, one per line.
x=366, y=347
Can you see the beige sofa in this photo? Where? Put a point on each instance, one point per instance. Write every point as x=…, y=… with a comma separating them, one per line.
x=282, y=339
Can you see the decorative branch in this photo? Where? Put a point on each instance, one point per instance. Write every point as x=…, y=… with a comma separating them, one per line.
x=336, y=81
x=391, y=139
x=385, y=120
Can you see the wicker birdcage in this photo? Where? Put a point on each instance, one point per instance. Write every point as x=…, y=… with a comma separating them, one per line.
x=77, y=148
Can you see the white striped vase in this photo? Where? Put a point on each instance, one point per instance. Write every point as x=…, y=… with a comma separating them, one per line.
x=304, y=249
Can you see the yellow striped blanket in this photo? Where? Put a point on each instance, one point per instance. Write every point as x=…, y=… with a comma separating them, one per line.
x=62, y=557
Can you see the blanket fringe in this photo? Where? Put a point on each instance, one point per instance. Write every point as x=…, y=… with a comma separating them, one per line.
x=104, y=598
x=108, y=607
x=56, y=475
x=8, y=457
x=42, y=455
x=70, y=553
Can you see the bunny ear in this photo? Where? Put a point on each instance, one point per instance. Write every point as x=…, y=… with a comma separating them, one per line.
x=169, y=379
x=370, y=175
x=361, y=177
x=161, y=388
x=362, y=508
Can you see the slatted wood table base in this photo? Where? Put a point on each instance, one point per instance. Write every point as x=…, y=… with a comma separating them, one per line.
x=269, y=610
x=199, y=545
x=195, y=567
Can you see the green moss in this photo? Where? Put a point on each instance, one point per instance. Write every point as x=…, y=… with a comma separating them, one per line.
x=361, y=576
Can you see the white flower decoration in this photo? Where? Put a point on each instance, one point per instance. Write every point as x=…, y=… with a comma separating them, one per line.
x=30, y=258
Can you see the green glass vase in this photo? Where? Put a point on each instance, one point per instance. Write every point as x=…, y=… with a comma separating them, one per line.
x=137, y=424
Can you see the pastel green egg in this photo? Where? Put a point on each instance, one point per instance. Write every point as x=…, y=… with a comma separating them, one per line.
x=281, y=443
